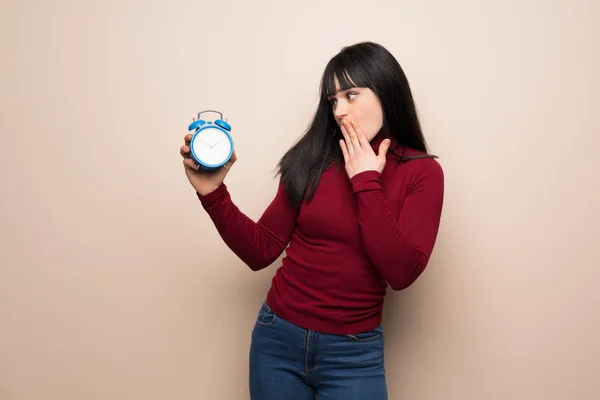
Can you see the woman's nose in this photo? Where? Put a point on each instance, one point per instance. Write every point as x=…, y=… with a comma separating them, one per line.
x=341, y=111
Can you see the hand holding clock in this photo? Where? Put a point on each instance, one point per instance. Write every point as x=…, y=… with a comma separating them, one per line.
x=203, y=181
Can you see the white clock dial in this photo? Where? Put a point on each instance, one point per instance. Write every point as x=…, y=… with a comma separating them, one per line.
x=211, y=146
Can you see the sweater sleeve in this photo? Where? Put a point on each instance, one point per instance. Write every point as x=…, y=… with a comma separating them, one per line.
x=257, y=244
x=400, y=248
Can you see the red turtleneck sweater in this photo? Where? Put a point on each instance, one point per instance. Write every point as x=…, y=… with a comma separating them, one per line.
x=345, y=246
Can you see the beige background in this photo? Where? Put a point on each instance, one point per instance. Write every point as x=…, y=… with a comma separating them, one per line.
x=114, y=283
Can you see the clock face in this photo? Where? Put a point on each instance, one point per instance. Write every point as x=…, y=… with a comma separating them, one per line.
x=211, y=146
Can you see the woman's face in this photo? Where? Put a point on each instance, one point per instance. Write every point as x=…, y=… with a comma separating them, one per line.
x=360, y=105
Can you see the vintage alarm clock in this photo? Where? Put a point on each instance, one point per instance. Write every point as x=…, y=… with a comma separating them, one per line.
x=211, y=145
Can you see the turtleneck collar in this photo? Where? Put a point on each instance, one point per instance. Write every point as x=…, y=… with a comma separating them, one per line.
x=376, y=141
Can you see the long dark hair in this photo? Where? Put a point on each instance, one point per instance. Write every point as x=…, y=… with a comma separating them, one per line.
x=369, y=65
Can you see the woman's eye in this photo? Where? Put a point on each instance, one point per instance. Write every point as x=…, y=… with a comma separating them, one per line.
x=351, y=95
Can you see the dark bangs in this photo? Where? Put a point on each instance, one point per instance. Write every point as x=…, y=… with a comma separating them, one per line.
x=350, y=72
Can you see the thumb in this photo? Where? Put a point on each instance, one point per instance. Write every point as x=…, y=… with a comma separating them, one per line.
x=383, y=148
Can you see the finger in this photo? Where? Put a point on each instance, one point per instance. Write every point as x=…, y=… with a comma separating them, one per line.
x=189, y=163
x=362, y=137
x=353, y=136
x=344, y=150
x=187, y=138
x=348, y=142
x=383, y=148
x=184, y=151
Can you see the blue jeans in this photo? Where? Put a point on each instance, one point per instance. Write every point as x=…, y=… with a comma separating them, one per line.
x=288, y=362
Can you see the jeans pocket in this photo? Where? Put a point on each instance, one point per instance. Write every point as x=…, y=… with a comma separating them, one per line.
x=375, y=334
x=265, y=316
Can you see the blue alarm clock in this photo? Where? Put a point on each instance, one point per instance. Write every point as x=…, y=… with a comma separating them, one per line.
x=211, y=145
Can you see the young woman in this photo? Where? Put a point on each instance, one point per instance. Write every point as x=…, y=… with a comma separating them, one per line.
x=357, y=209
